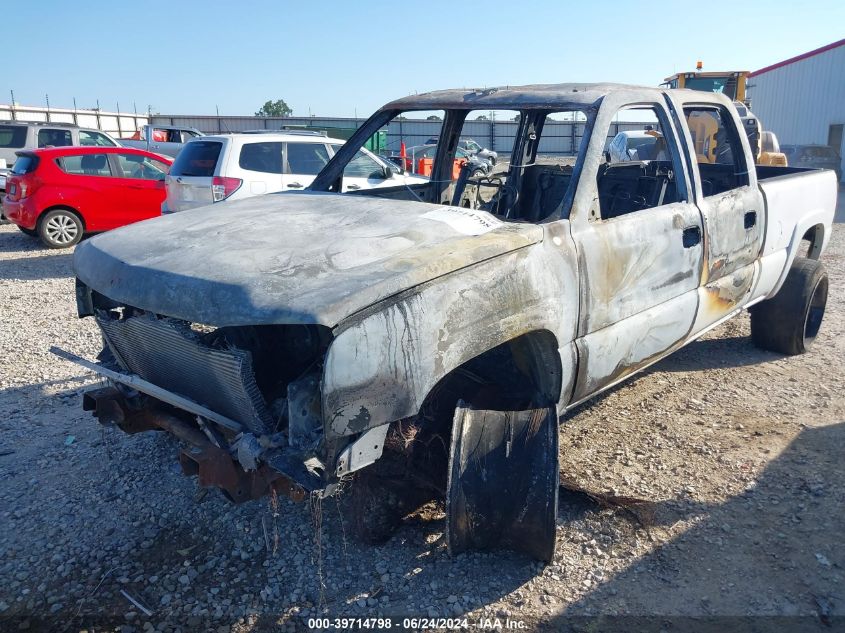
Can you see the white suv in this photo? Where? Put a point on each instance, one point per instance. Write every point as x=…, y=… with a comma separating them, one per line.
x=233, y=166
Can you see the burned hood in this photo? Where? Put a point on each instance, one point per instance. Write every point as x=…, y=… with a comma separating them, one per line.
x=289, y=258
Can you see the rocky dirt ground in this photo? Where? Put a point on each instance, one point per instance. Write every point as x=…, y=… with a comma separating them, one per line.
x=738, y=452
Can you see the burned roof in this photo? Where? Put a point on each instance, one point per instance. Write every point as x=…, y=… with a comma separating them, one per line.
x=536, y=96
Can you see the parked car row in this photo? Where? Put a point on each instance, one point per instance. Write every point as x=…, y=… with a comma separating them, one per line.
x=59, y=194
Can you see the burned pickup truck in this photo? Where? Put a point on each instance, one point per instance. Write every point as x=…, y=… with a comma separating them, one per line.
x=423, y=340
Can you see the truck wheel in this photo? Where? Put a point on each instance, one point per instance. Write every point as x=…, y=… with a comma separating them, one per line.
x=503, y=482
x=60, y=228
x=789, y=322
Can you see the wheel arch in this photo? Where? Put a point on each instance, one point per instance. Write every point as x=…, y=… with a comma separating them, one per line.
x=816, y=236
x=65, y=207
x=523, y=372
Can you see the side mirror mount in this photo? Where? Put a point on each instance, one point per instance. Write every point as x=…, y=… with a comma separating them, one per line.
x=388, y=172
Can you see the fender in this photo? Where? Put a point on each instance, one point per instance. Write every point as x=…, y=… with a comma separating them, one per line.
x=383, y=363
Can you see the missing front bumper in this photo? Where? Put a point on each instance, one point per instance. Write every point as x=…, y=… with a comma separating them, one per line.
x=280, y=472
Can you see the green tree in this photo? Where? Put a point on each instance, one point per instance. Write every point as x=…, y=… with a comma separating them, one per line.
x=433, y=117
x=482, y=117
x=275, y=108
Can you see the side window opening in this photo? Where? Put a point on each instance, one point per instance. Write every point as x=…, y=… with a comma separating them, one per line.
x=263, y=157
x=641, y=164
x=306, y=159
x=85, y=165
x=719, y=155
x=54, y=138
x=89, y=138
x=514, y=165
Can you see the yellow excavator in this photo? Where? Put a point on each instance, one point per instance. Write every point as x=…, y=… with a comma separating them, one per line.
x=732, y=84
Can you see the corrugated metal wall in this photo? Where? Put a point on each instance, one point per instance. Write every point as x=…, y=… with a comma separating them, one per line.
x=559, y=137
x=800, y=101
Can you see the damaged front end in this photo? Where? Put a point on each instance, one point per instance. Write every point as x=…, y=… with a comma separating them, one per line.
x=246, y=400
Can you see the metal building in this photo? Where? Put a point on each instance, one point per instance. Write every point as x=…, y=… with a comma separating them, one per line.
x=802, y=99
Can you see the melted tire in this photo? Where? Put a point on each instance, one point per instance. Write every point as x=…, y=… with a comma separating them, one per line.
x=503, y=483
x=789, y=322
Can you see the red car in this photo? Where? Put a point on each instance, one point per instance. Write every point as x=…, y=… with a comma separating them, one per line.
x=60, y=193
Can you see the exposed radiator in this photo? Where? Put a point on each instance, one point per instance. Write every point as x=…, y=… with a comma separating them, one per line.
x=169, y=354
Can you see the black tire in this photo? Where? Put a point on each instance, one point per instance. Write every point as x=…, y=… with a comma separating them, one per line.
x=478, y=173
x=789, y=322
x=30, y=232
x=502, y=490
x=60, y=228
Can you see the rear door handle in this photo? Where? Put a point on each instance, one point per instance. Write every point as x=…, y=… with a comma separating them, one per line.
x=354, y=187
x=295, y=185
x=692, y=236
x=750, y=219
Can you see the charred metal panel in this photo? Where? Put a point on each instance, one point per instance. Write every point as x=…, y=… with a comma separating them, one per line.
x=289, y=258
x=640, y=271
x=635, y=262
x=382, y=365
x=735, y=228
x=578, y=96
x=169, y=354
x=724, y=295
x=610, y=354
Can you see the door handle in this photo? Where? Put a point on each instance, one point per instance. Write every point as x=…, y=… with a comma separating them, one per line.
x=295, y=185
x=750, y=219
x=692, y=236
x=354, y=187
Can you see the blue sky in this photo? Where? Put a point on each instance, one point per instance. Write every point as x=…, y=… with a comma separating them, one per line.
x=348, y=58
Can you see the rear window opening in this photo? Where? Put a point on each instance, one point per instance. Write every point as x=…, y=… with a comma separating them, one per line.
x=25, y=164
x=197, y=158
x=12, y=136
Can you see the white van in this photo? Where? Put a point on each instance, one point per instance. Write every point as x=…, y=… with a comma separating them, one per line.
x=233, y=166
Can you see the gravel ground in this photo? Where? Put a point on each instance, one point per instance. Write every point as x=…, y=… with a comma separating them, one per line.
x=737, y=451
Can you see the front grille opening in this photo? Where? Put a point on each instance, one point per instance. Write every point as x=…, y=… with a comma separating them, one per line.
x=241, y=372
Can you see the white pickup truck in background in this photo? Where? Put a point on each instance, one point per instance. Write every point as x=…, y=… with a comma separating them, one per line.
x=161, y=139
x=427, y=339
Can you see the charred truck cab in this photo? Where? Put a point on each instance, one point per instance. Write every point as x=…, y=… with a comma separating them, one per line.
x=423, y=339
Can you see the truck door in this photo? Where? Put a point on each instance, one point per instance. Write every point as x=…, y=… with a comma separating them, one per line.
x=638, y=235
x=725, y=188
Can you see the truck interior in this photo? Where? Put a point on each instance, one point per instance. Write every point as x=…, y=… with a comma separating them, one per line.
x=528, y=183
